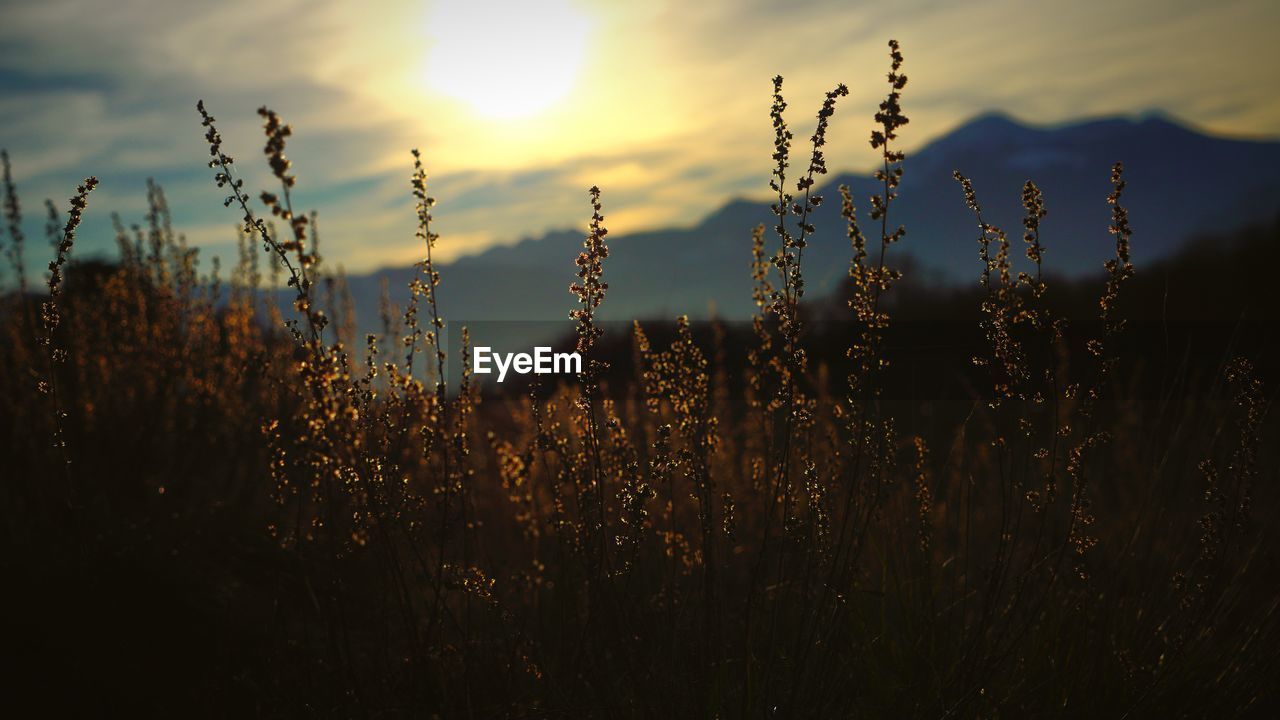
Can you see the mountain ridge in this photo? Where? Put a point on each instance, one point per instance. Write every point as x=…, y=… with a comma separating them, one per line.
x=1181, y=183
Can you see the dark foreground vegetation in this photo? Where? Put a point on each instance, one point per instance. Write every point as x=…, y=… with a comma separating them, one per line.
x=1030, y=499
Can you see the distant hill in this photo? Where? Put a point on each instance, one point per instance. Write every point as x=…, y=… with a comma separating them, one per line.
x=1181, y=183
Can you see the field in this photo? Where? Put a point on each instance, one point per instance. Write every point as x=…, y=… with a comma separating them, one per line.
x=1023, y=498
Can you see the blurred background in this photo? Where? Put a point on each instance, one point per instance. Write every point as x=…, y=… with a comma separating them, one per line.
x=518, y=107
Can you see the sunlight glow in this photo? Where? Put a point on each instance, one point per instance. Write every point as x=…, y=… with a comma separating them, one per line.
x=506, y=59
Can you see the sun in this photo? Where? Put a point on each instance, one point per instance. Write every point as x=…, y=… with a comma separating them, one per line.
x=506, y=59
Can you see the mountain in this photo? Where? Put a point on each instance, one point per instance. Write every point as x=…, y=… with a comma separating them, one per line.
x=1180, y=183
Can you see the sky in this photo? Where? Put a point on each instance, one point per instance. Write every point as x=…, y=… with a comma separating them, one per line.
x=519, y=107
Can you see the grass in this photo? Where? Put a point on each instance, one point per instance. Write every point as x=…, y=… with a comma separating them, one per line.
x=216, y=508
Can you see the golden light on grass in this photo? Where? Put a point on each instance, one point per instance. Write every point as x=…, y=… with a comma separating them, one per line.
x=729, y=519
x=506, y=59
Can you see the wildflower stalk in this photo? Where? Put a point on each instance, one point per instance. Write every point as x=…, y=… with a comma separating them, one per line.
x=1119, y=270
x=13, y=222
x=590, y=290
x=870, y=284
x=254, y=225
x=784, y=303
x=427, y=289
x=17, y=239
x=51, y=318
